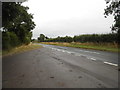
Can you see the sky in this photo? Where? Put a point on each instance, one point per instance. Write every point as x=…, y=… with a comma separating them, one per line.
x=68, y=17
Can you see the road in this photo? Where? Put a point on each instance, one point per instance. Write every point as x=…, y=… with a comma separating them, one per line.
x=61, y=67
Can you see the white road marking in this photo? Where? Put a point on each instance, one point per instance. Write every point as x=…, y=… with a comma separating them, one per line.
x=77, y=54
x=91, y=52
x=72, y=52
x=93, y=59
x=69, y=52
x=63, y=51
x=111, y=63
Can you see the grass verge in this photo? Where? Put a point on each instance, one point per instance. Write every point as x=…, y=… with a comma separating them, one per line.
x=112, y=47
x=20, y=49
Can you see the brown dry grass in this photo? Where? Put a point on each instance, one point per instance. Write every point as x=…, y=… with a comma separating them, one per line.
x=20, y=49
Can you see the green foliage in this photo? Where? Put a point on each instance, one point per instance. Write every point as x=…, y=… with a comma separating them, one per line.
x=95, y=38
x=114, y=8
x=41, y=38
x=60, y=39
x=9, y=40
x=27, y=40
x=17, y=24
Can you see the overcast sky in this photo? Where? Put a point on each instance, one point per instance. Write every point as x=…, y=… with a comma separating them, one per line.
x=68, y=17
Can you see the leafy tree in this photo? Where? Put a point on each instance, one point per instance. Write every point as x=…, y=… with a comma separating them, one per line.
x=114, y=8
x=41, y=38
x=46, y=38
x=17, y=20
x=68, y=39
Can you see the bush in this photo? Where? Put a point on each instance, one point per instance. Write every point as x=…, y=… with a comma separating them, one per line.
x=9, y=40
x=97, y=38
x=27, y=40
x=5, y=40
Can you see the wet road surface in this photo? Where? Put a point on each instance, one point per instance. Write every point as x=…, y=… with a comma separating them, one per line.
x=60, y=67
x=104, y=56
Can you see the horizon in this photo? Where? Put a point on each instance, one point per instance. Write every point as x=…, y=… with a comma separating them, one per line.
x=69, y=17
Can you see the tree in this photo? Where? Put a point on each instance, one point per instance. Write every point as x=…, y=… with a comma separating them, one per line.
x=16, y=20
x=46, y=38
x=41, y=38
x=114, y=8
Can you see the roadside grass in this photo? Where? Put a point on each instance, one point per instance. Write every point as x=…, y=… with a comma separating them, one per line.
x=20, y=49
x=112, y=47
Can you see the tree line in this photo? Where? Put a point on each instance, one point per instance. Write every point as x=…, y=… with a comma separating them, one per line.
x=95, y=38
x=112, y=8
x=16, y=25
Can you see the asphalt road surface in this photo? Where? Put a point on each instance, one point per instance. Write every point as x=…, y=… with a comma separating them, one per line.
x=60, y=67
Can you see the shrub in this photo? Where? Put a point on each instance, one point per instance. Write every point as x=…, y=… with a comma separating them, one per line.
x=9, y=40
